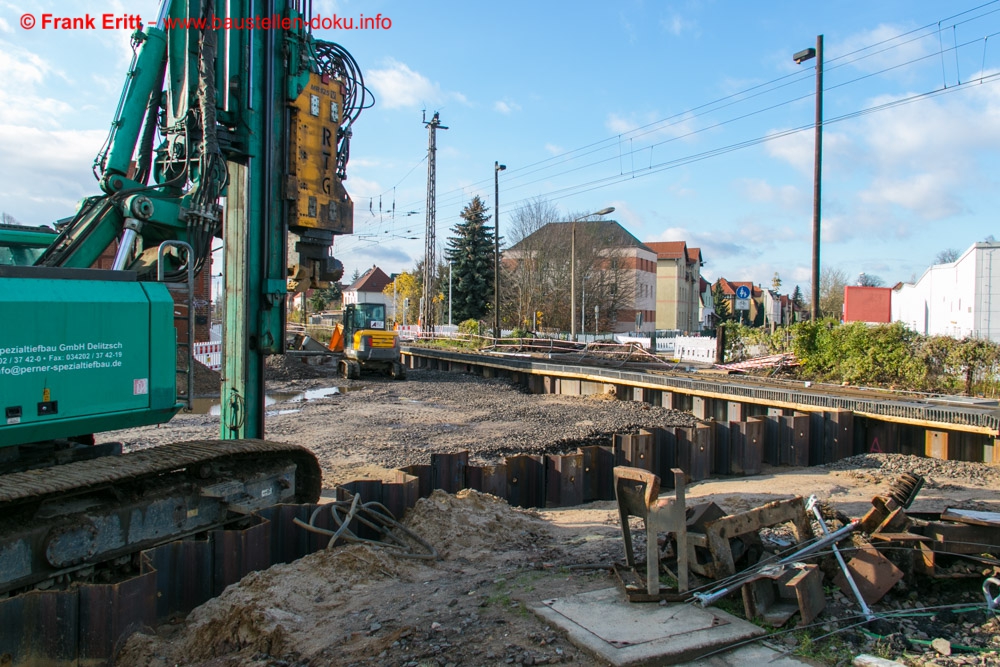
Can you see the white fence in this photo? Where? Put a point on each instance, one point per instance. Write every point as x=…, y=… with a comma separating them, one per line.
x=663, y=345
x=209, y=353
x=692, y=348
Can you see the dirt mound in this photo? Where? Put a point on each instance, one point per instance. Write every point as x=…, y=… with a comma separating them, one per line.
x=288, y=367
x=471, y=524
x=268, y=612
x=206, y=380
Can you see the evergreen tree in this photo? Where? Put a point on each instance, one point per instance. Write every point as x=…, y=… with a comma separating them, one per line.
x=720, y=303
x=470, y=252
x=797, y=298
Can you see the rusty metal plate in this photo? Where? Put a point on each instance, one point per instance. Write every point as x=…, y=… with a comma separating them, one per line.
x=753, y=445
x=725, y=455
x=487, y=479
x=564, y=480
x=448, y=471
x=873, y=573
x=401, y=495
x=184, y=575
x=701, y=453
x=109, y=612
x=40, y=627
x=423, y=473
x=289, y=541
x=598, y=473
x=526, y=481
x=240, y=552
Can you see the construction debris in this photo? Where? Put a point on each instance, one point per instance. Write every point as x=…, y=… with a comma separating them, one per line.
x=710, y=544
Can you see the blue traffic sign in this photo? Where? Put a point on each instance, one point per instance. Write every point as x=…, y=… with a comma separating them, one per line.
x=742, y=292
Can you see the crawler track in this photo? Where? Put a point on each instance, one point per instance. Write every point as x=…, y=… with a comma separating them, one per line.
x=83, y=476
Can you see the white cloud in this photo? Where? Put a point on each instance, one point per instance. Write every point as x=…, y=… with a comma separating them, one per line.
x=926, y=156
x=676, y=24
x=4, y=26
x=397, y=86
x=788, y=197
x=554, y=150
x=24, y=72
x=506, y=106
x=45, y=171
x=619, y=125
x=651, y=126
x=626, y=215
x=714, y=244
x=362, y=188
x=932, y=196
x=889, y=52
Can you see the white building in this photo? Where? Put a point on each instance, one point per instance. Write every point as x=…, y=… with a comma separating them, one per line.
x=368, y=288
x=960, y=299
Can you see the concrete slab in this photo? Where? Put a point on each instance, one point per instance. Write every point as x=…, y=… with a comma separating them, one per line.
x=605, y=624
x=751, y=654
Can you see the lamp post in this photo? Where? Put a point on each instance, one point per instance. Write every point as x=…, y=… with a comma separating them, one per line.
x=800, y=58
x=497, y=168
x=572, y=268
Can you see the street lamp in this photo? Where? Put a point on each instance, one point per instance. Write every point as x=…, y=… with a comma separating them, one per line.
x=497, y=168
x=800, y=58
x=572, y=268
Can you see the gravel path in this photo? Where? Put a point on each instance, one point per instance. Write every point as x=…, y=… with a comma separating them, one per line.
x=377, y=422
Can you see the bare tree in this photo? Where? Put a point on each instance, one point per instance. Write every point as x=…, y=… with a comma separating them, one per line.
x=947, y=256
x=7, y=219
x=522, y=281
x=870, y=280
x=539, y=267
x=831, y=291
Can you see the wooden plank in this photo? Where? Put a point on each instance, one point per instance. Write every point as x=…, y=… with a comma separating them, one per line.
x=973, y=517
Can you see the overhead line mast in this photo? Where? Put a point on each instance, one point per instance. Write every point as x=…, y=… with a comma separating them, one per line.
x=430, y=237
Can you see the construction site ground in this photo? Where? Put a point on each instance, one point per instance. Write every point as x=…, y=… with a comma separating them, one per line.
x=359, y=605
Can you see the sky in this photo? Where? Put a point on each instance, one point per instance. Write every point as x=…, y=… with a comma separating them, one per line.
x=690, y=118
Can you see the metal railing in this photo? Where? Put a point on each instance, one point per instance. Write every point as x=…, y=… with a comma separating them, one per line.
x=906, y=408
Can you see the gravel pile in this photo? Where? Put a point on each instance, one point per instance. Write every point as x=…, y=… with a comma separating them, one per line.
x=289, y=367
x=886, y=467
x=437, y=411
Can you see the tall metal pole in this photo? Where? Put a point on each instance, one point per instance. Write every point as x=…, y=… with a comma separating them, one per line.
x=451, y=269
x=430, y=234
x=817, y=177
x=497, y=168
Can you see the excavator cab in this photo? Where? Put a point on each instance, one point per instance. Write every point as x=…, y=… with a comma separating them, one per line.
x=368, y=345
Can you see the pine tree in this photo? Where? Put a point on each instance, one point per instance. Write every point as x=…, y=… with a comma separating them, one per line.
x=720, y=303
x=470, y=251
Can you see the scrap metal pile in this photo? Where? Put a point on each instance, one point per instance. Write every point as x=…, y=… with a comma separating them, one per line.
x=782, y=557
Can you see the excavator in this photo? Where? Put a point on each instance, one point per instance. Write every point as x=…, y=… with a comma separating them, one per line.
x=234, y=122
x=366, y=342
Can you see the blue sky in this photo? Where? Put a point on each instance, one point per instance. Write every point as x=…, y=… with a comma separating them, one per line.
x=682, y=115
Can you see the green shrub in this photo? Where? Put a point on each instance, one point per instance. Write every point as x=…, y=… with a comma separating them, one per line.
x=469, y=327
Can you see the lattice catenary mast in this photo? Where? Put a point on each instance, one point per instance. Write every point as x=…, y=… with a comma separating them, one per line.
x=430, y=236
